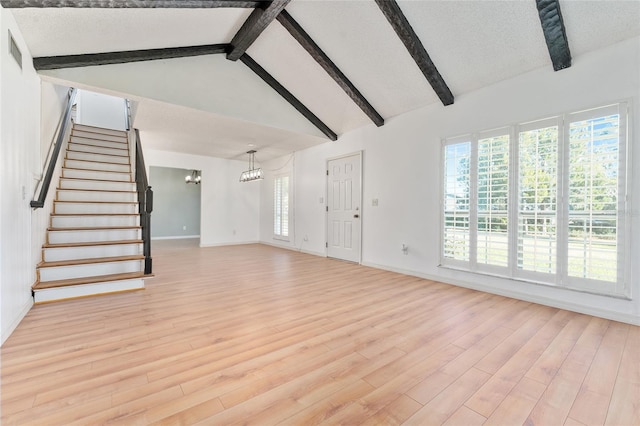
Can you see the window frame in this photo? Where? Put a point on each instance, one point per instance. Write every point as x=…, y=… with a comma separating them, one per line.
x=561, y=277
x=277, y=236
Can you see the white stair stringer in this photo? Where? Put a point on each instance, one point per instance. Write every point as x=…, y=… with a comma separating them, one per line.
x=94, y=243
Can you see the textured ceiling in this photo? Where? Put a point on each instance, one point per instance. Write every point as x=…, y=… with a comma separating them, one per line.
x=208, y=105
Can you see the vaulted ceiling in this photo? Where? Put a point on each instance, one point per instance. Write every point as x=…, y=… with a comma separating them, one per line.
x=277, y=97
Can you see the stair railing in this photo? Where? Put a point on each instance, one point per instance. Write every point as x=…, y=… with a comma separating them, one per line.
x=54, y=153
x=145, y=203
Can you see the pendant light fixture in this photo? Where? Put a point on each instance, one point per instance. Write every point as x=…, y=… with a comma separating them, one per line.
x=253, y=173
x=194, y=177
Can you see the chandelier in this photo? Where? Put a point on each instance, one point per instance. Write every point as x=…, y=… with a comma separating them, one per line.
x=194, y=177
x=253, y=173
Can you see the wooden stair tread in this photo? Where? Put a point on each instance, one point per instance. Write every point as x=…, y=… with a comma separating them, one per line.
x=87, y=280
x=76, y=126
x=124, y=141
x=95, y=202
x=93, y=228
x=93, y=170
x=97, y=153
x=96, y=190
x=92, y=243
x=98, y=146
x=89, y=261
x=93, y=214
x=99, y=162
x=99, y=180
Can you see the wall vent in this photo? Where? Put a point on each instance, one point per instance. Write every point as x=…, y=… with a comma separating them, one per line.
x=14, y=50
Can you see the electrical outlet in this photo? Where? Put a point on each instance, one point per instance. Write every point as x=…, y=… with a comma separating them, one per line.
x=184, y=227
x=306, y=238
x=374, y=202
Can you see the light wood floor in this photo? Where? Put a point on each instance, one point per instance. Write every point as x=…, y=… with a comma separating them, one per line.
x=257, y=335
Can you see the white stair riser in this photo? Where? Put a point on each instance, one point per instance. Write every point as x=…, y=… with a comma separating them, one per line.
x=75, y=291
x=74, y=155
x=98, y=130
x=94, y=174
x=87, y=236
x=97, y=184
x=77, y=195
x=98, y=136
x=93, y=221
x=90, y=270
x=93, y=165
x=99, y=143
x=97, y=149
x=94, y=208
x=91, y=252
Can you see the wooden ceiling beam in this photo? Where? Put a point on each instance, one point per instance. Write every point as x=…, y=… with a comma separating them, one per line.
x=554, y=33
x=410, y=39
x=288, y=96
x=255, y=24
x=93, y=59
x=327, y=64
x=186, y=4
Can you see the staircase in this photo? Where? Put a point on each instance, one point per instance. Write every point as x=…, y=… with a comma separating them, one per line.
x=94, y=242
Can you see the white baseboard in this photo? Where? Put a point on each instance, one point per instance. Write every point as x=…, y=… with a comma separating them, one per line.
x=541, y=300
x=231, y=243
x=6, y=332
x=288, y=247
x=177, y=237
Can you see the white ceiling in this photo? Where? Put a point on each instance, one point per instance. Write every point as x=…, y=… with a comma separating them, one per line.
x=210, y=106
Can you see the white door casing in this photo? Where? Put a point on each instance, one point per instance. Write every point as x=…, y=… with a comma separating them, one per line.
x=344, y=201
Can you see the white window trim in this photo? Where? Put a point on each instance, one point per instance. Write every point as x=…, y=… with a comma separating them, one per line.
x=620, y=288
x=290, y=209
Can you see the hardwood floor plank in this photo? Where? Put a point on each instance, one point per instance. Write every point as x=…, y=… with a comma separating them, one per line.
x=258, y=335
x=326, y=408
x=592, y=402
x=467, y=417
x=450, y=400
x=517, y=405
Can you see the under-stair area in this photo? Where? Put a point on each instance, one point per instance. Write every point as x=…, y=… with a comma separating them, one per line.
x=94, y=240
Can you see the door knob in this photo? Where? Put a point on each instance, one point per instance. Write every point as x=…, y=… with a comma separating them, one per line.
x=356, y=216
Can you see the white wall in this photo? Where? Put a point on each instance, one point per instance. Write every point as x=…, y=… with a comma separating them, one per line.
x=53, y=100
x=230, y=209
x=96, y=109
x=401, y=168
x=19, y=161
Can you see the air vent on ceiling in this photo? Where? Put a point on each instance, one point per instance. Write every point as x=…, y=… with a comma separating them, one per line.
x=15, y=51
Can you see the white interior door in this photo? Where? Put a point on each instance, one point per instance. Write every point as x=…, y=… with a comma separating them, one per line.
x=343, y=207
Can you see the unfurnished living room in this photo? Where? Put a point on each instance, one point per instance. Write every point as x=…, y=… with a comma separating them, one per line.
x=304, y=212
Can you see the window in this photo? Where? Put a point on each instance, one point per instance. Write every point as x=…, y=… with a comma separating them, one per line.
x=493, y=199
x=537, y=197
x=457, y=201
x=14, y=50
x=281, y=207
x=541, y=201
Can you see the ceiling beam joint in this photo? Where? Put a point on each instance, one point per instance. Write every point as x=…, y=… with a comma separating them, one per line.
x=410, y=39
x=288, y=96
x=554, y=33
x=255, y=24
x=327, y=64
